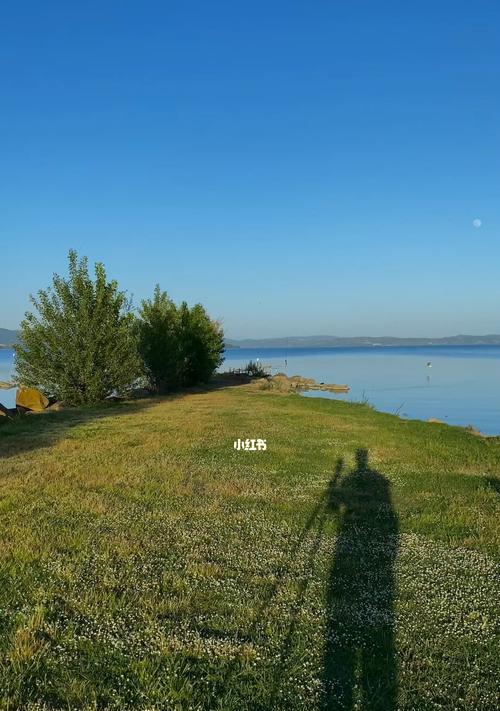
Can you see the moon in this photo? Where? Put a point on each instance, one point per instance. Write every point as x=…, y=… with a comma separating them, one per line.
x=477, y=223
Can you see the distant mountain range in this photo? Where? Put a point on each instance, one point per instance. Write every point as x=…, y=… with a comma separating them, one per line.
x=338, y=341
x=7, y=337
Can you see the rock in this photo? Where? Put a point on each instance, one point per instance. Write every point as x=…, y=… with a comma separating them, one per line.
x=56, y=406
x=472, y=430
x=297, y=382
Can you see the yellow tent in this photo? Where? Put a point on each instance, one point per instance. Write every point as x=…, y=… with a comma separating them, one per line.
x=31, y=399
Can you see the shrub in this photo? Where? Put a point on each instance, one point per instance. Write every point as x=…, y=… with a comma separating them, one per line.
x=159, y=343
x=202, y=345
x=81, y=346
x=255, y=369
x=180, y=346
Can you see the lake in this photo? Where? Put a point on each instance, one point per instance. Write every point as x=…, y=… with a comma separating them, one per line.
x=7, y=397
x=462, y=386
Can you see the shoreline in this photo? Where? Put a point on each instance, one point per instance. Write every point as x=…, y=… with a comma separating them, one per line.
x=471, y=429
x=457, y=385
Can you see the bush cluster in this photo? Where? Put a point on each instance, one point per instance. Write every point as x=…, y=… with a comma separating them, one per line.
x=83, y=341
x=179, y=346
x=255, y=370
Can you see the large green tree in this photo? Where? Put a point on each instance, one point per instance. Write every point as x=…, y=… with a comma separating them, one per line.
x=80, y=345
x=159, y=344
x=180, y=346
x=202, y=344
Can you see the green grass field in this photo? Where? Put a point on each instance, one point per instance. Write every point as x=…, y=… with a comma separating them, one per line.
x=147, y=564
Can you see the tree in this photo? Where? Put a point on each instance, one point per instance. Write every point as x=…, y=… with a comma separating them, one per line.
x=81, y=346
x=179, y=346
x=159, y=344
x=202, y=344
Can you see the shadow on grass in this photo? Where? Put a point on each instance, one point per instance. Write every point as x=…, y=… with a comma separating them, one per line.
x=315, y=521
x=25, y=433
x=360, y=664
x=493, y=482
x=359, y=655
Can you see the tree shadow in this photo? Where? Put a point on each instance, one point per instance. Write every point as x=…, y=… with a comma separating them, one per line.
x=28, y=432
x=360, y=663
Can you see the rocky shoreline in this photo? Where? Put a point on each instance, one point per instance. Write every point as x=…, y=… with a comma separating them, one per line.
x=283, y=382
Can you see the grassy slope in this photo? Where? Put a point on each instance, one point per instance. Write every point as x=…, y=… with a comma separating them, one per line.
x=145, y=563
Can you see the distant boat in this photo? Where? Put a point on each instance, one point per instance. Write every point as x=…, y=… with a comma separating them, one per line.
x=429, y=364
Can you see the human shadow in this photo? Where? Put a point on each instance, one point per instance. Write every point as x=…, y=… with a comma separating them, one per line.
x=359, y=662
x=313, y=527
x=493, y=483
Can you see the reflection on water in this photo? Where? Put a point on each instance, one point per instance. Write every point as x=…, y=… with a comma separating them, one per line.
x=459, y=385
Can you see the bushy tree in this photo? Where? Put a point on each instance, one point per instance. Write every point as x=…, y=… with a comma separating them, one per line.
x=202, y=344
x=81, y=345
x=180, y=346
x=159, y=344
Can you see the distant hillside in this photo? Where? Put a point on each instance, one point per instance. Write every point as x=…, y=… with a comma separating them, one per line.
x=7, y=337
x=338, y=341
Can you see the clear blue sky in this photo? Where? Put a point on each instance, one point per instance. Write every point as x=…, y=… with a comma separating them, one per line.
x=298, y=167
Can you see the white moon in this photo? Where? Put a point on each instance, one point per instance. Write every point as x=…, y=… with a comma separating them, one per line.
x=477, y=222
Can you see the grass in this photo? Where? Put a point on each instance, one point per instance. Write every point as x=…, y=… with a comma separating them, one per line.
x=146, y=564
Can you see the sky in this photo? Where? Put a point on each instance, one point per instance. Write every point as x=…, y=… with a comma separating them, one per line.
x=300, y=168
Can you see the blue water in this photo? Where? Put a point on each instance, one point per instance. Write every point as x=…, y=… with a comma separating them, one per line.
x=7, y=397
x=461, y=388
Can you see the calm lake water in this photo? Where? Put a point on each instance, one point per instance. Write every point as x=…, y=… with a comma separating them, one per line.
x=7, y=397
x=462, y=386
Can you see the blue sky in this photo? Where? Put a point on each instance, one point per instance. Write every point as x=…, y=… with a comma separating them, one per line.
x=298, y=167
